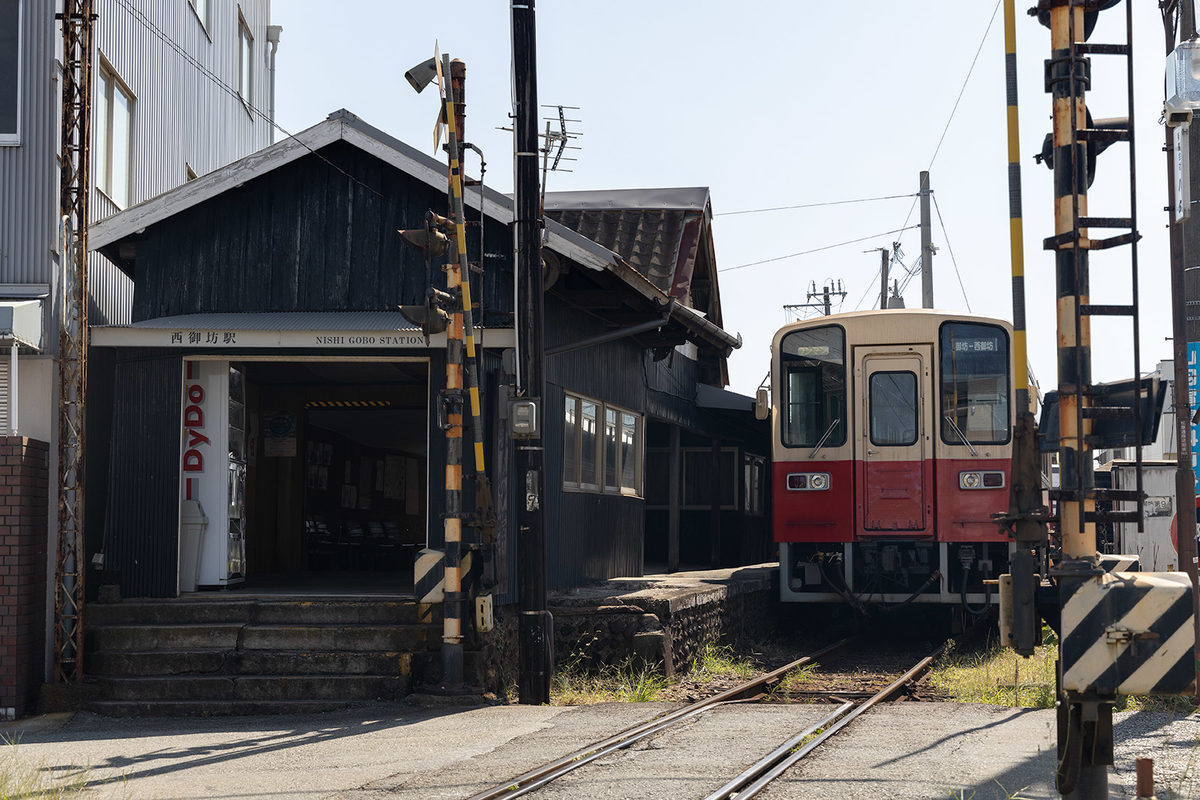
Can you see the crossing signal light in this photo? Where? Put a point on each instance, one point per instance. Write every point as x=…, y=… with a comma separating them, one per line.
x=1093, y=148
x=1089, y=17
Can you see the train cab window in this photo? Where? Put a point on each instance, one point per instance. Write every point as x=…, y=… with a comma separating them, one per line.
x=813, y=387
x=893, y=408
x=974, y=383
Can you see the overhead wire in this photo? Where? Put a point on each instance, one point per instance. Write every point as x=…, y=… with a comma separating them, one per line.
x=216, y=79
x=945, y=129
x=946, y=236
x=814, y=250
x=813, y=205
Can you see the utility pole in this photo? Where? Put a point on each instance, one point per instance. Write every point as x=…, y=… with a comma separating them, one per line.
x=926, y=245
x=535, y=627
x=885, y=259
x=1185, y=244
x=77, y=18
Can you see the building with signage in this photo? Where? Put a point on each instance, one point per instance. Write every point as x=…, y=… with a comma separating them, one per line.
x=268, y=418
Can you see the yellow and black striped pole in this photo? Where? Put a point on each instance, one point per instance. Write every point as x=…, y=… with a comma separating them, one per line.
x=1016, y=236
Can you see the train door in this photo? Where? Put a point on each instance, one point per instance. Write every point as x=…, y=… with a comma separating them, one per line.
x=896, y=491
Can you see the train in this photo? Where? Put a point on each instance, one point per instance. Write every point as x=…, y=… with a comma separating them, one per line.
x=892, y=437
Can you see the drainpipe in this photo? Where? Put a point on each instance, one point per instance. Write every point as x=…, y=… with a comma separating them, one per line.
x=273, y=32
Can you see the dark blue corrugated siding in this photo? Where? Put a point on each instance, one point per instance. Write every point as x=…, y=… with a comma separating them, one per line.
x=141, y=524
x=591, y=536
x=306, y=237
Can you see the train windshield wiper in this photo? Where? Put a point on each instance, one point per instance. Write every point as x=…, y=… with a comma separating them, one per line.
x=954, y=428
x=822, y=440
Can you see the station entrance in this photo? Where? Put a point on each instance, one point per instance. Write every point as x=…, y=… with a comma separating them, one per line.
x=321, y=485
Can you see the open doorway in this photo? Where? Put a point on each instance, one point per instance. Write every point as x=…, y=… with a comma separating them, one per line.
x=337, y=475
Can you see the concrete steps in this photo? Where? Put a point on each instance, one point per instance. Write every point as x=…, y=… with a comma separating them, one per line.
x=200, y=657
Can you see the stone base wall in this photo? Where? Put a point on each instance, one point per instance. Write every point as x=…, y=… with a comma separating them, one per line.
x=666, y=628
x=24, y=481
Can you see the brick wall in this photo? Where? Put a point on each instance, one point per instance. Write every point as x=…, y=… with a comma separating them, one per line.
x=24, y=477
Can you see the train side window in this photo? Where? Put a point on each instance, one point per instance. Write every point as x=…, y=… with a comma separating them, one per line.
x=974, y=383
x=894, y=416
x=813, y=387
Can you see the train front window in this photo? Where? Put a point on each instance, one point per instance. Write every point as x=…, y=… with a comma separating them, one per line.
x=974, y=383
x=893, y=408
x=813, y=387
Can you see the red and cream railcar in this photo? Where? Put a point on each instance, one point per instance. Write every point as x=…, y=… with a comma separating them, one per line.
x=892, y=438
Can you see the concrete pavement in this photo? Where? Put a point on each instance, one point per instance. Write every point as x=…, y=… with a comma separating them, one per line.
x=400, y=751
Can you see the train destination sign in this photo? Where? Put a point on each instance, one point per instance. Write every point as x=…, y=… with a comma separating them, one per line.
x=206, y=339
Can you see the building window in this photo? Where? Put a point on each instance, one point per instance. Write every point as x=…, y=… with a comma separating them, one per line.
x=754, y=477
x=201, y=9
x=10, y=72
x=245, y=63
x=602, y=447
x=114, y=136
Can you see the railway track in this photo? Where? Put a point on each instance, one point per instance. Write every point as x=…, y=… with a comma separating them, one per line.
x=756, y=777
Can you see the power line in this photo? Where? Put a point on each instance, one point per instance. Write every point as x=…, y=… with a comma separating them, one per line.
x=814, y=250
x=936, y=150
x=965, y=82
x=951, y=249
x=813, y=205
x=215, y=79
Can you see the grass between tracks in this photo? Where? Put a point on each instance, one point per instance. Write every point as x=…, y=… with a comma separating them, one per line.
x=999, y=676
x=575, y=684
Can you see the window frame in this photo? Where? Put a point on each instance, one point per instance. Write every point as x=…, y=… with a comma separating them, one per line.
x=14, y=139
x=1008, y=391
x=754, y=496
x=841, y=434
x=104, y=174
x=574, y=483
x=204, y=18
x=245, y=61
x=916, y=408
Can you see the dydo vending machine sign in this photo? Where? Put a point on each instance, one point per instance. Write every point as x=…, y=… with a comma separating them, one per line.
x=213, y=467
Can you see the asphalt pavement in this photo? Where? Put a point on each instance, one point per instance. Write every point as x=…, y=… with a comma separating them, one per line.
x=404, y=752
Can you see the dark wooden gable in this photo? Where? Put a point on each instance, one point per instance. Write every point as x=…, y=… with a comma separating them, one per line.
x=318, y=234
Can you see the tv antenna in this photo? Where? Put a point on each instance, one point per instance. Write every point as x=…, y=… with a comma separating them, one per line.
x=824, y=299
x=557, y=141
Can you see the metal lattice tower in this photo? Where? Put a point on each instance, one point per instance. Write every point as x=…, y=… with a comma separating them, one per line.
x=77, y=18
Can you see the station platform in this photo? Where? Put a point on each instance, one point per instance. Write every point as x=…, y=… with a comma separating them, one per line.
x=663, y=619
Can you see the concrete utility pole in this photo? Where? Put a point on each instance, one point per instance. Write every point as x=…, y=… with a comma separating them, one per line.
x=885, y=260
x=1185, y=247
x=536, y=630
x=926, y=245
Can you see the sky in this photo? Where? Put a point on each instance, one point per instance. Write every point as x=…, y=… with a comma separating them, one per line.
x=780, y=104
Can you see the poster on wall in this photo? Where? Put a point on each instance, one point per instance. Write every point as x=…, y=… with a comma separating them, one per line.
x=412, y=494
x=393, y=478
x=1193, y=351
x=279, y=435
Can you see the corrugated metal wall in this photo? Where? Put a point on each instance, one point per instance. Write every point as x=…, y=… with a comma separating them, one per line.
x=306, y=237
x=29, y=172
x=181, y=117
x=141, y=524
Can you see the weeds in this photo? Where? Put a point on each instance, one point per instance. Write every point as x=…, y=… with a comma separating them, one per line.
x=794, y=679
x=20, y=779
x=718, y=661
x=575, y=685
x=998, y=676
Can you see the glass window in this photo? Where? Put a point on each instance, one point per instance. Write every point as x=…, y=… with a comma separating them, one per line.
x=893, y=408
x=245, y=65
x=589, y=439
x=201, y=9
x=10, y=71
x=754, y=485
x=114, y=136
x=610, y=449
x=571, y=441
x=974, y=383
x=813, y=378
x=629, y=448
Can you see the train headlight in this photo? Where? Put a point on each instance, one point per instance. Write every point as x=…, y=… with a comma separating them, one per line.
x=808, y=481
x=969, y=480
x=992, y=479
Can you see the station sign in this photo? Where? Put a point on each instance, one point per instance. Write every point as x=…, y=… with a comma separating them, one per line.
x=211, y=339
